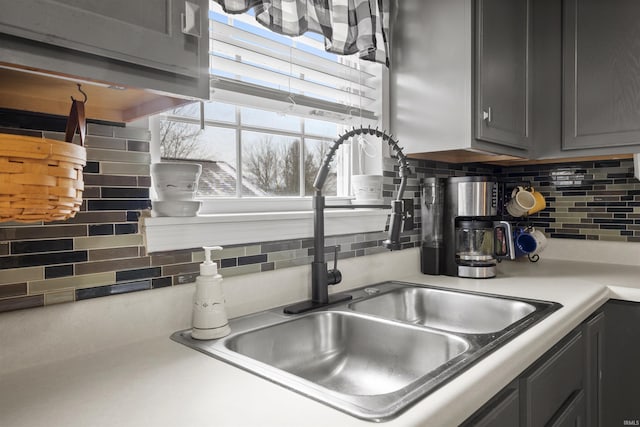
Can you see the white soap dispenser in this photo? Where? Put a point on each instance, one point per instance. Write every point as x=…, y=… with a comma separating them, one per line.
x=209, y=314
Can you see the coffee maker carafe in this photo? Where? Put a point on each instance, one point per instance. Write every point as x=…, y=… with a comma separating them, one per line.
x=474, y=238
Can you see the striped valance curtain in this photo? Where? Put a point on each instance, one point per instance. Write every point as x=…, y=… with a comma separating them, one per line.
x=348, y=26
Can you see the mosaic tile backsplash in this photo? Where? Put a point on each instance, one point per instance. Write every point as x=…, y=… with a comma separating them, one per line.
x=597, y=200
x=100, y=252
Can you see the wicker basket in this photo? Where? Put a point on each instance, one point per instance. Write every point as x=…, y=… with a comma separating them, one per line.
x=40, y=179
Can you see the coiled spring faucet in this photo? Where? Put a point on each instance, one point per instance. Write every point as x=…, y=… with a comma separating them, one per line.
x=321, y=276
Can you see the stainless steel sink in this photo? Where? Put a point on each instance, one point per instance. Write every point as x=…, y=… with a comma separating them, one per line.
x=375, y=356
x=349, y=353
x=446, y=309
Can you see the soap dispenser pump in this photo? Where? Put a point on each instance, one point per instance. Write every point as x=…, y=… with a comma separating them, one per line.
x=209, y=314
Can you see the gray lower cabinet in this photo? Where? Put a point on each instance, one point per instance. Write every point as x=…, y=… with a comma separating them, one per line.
x=572, y=414
x=149, y=44
x=594, y=335
x=621, y=370
x=550, y=382
x=503, y=410
x=560, y=389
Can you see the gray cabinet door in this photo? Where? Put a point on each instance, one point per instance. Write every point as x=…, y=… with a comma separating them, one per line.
x=593, y=330
x=548, y=384
x=502, y=73
x=142, y=32
x=572, y=413
x=502, y=410
x=621, y=370
x=601, y=73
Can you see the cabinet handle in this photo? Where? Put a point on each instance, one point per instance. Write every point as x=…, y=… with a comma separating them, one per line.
x=486, y=115
x=191, y=19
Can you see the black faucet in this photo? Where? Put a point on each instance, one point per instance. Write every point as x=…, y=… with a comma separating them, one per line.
x=321, y=275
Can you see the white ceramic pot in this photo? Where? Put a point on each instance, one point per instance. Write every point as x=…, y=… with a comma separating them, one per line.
x=175, y=207
x=367, y=187
x=175, y=181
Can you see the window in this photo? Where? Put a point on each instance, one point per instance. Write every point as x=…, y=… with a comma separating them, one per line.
x=248, y=152
x=278, y=104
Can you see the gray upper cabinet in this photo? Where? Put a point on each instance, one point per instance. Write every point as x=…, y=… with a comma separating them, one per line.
x=502, y=76
x=148, y=44
x=146, y=33
x=585, y=78
x=601, y=73
x=459, y=77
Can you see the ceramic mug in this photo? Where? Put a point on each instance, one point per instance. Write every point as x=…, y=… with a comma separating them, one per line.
x=541, y=203
x=541, y=240
x=521, y=202
x=524, y=242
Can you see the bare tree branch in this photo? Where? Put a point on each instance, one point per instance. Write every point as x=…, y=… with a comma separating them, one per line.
x=262, y=163
x=275, y=168
x=180, y=140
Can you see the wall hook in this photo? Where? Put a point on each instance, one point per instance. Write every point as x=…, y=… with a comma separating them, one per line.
x=82, y=92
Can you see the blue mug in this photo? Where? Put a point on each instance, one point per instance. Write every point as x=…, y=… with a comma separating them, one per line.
x=524, y=243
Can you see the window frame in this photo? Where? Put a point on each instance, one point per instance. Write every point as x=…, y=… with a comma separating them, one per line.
x=245, y=220
x=244, y=204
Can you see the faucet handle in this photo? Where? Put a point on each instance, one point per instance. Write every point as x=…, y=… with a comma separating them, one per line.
x=334, y=276
x=396, y=224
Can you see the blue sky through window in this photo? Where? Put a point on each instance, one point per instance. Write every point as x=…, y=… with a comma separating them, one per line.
x=261, y=31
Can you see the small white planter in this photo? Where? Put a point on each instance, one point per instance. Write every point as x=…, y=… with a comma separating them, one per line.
x=175, y=181
x=174, y=208
x=367, y=188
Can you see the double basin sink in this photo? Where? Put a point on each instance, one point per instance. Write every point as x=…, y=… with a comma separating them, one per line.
x=377, y=354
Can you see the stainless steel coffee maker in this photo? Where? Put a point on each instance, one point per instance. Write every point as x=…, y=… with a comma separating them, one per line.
x=474, y=238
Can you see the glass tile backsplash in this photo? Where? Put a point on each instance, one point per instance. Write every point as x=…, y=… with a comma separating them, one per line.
x=100, y=252
x=598, y=200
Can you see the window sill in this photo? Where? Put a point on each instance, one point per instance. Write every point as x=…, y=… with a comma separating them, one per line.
x=262, y=205
x=173, y=233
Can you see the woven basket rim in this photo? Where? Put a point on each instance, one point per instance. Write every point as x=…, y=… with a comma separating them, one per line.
x=34, y=190
x=59, y=149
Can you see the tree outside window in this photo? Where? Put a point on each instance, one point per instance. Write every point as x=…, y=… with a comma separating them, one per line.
x=271, y=164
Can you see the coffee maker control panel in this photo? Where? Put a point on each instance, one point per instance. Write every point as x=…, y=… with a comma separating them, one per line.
x=494, y=196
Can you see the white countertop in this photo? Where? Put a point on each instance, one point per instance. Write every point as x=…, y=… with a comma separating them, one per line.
x=157, y=382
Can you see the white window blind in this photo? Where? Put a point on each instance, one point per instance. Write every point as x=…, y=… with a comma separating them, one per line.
x=248, y=60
